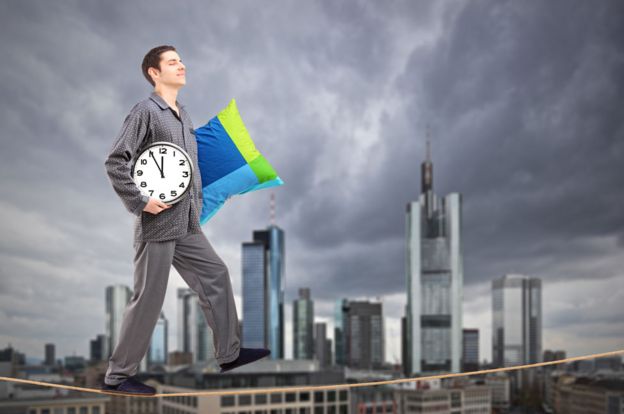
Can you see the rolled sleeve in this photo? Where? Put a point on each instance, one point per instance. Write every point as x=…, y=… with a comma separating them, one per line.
x=120, y=157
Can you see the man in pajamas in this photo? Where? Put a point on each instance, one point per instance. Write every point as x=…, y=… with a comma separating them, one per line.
x=167, y=234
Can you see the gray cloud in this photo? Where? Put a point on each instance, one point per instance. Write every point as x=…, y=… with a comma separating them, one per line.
x=523, y=100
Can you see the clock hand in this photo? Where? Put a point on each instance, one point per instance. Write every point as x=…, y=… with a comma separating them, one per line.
x=162, y=166
x=159, y=169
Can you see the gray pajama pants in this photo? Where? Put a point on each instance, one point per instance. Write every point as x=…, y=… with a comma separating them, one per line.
x=204, y=272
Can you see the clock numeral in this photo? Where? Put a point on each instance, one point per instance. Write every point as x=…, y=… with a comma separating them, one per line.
x=184, y=173
x=174, y=193
x=162, y=196
x=143, y=184
x=151, y=152
x=174, y=153
x=182, y=162
x=144, y=161
x=181, y=184
x=162, y=150
x=151, y=192
x=139, y=172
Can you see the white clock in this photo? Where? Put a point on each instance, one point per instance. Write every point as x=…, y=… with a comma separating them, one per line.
x=163, y=171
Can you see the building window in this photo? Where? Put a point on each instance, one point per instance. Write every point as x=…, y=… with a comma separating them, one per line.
x=318, y=396
x=244, y=400
x=343, y=395
x=304, y=396
x=71, y=410
x=276, y=398
x=319, y=410
x=261, y=398
x=84, y=410
x=45, y=411
x=331, y=409
x=331, y=396
x=95, y=409
x=227, y=401
x=58, y=410
x=291, y=397
x=344, y=409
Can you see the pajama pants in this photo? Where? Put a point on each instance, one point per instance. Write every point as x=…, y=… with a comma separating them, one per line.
x=203, y=271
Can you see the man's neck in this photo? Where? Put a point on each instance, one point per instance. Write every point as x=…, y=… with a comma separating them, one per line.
x=169, y=95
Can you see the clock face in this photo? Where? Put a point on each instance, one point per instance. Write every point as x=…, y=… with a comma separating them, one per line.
x=163, y=171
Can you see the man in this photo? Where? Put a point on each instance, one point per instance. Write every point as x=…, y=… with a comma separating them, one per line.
x=167, y=234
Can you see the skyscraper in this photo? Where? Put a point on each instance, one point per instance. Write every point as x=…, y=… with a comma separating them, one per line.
x=339, y=331
x=303, y=321
x=159, y=347
x=117, y=298
x=49, y=355
x=194, y=333
x=322, y=345
x=434, y=278
x=516, y=320
x=364, y=335
x=263, y=291
x=99, y=348
x=470, y=354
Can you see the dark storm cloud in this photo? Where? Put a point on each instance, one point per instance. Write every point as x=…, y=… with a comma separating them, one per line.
x=523, y=99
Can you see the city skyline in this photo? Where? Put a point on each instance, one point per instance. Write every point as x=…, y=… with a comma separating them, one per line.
x=524, y=124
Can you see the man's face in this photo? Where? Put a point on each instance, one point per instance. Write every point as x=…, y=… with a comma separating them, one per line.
x=172, y=70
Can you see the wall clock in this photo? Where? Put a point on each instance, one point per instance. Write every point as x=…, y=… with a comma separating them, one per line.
x=164, y=171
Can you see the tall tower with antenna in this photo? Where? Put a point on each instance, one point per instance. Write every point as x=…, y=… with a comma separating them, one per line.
x=263, y=288
x=434, y=279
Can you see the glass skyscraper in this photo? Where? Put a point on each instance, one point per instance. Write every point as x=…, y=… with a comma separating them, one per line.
x=340, y=309
x=263, y=291
x=194, y=333
x=434, y=278
x=516, y=320
x=363, y=335
x=158, y=350
x=117, y=298
x=303, y=323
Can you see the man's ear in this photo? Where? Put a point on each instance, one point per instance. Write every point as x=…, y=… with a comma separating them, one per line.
x=153, y=72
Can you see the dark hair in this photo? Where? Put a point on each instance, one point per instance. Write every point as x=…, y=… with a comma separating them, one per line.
x=152, y=60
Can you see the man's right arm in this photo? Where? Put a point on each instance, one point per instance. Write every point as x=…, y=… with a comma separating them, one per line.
x=128, y=141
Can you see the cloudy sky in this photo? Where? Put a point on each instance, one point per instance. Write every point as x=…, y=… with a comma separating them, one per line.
x=524, y=102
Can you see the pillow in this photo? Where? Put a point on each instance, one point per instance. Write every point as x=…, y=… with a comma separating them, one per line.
x=229, y=162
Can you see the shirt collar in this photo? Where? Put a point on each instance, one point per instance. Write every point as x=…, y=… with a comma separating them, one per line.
x=161, y=102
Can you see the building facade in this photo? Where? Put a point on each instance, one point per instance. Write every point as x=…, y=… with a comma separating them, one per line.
x=263, y=291
x=434, y=279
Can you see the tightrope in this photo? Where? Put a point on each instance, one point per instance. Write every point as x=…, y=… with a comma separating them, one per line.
x=315, y=387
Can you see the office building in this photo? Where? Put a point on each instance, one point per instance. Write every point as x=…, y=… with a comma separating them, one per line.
x=263, y=291
x=193, y=332
x=364, y=335
x=117, y=298
x=516, y=320
x=434, y=279
x=303, y=321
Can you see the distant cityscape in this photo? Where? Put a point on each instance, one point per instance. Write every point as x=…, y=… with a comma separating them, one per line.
x=433, y=339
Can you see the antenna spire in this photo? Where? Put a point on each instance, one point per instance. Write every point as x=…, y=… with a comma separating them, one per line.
x=272, y=208
x=428, y=144
x=426, y=167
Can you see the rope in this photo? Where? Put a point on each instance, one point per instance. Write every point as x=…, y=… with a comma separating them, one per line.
x=316, y=387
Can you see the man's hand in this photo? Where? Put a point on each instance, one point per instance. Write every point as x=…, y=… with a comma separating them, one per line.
x=155, y=206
